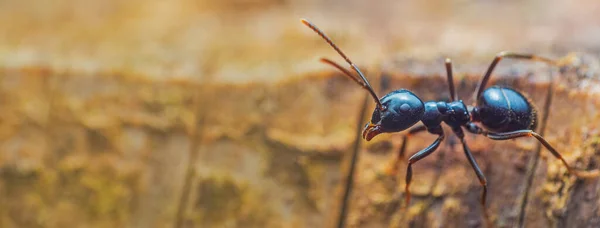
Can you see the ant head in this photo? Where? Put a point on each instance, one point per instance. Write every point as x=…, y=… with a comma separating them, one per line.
x=402, y=109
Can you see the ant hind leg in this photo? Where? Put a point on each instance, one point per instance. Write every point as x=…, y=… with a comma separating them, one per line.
x=530, y=133
x=510, y=55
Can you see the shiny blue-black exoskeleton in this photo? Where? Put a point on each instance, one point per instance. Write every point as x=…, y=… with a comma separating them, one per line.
x=504, y=113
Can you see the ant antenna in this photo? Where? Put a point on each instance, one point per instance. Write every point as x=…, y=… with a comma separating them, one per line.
x=344, y=70
x=366, y=84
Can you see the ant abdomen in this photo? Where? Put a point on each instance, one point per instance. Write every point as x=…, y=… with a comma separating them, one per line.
x=503, y=109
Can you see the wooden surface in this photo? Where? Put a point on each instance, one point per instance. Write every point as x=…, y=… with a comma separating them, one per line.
x=117, y=154
x=204, y=114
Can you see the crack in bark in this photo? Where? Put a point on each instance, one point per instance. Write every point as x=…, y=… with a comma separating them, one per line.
x=353, y=161
x=195, y=136
x=533, y=163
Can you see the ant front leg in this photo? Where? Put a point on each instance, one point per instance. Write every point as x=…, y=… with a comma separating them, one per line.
x=405, y=138
x=393, y=169
x=418, y=156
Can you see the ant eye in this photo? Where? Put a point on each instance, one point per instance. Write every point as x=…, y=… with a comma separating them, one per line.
x=404, y=108
x=376, y=117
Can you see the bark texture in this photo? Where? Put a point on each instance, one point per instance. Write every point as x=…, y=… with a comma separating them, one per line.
x=217, y=114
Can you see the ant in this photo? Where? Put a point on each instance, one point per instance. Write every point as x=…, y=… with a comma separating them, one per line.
x=504, y=112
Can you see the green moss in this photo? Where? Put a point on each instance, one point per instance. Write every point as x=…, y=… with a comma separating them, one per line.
x=99, y=197
x=221, y=202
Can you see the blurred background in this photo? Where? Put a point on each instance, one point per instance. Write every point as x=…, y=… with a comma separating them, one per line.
x=195, y=113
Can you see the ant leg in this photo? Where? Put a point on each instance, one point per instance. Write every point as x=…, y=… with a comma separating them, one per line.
x=450, y=79
x=392, y=170
x=475, y=166
x=473, y=128
x=416, y=157
x=405, y=138
x=530, y=133
x=510, y=55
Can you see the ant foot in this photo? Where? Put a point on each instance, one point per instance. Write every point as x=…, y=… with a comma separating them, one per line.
x=587, y=174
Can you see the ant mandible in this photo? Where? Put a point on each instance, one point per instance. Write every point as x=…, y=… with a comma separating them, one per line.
x=505, y=113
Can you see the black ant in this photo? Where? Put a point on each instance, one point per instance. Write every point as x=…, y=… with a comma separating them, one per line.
x=504, y=112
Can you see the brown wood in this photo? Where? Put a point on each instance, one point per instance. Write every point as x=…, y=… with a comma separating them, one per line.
x=208, y=114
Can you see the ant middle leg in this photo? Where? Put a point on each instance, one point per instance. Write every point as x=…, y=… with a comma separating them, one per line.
x=416, y=157
x=511, y=55
x=478, y=172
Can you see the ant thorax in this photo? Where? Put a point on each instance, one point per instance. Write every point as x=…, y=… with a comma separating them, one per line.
x=455, y=114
